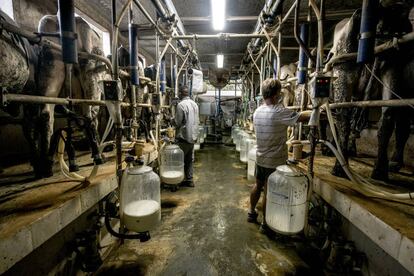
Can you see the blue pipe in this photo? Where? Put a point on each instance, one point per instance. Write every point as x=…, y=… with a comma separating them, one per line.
x=133, y=53
x=68, y=36
x=303, y=58
x=369, y=20
x=163, y=80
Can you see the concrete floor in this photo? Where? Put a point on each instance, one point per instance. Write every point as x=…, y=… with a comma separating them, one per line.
x=204, y=230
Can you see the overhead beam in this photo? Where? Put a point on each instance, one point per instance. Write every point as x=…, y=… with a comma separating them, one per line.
x=219, y=36
x=333, y=15
x=208, y=18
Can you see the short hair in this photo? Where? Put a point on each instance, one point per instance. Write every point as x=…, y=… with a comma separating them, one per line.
x=183, y=90
x=271, y=88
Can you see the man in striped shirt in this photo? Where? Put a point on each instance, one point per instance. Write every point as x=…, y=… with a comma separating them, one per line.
x=270, y=122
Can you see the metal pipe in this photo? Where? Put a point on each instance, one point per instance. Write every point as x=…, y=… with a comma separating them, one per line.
x=163, y=76
x=172, y=10
x=67, y=27
x=133, y=53
x=160, y=9
x=23, y=98
x=275, y=10
x=279, y=49
x=295, y=31
x=292, y=8
x=147, y=15
x=320, y=15
x=275, y=50
x=303, y=59
x=218, y=36
x=369, y=20
x=373, y=103
x=333, y=15
x=376, y=103
x=208, y=18
x=166, y=14
x=115, y=32
x=390, y=44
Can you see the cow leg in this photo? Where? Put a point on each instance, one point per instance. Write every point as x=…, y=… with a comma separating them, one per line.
x=50, y=82
x=402, y=133
x=392, y=80
x=385, y=131
x=344, y=88
x=31, y=133
x=92, y=90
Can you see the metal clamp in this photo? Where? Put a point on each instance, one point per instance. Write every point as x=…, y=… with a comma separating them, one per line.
x=70, y=35
x=366, y=35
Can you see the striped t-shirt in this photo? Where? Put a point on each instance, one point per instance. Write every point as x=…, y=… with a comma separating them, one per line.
x=271, y=122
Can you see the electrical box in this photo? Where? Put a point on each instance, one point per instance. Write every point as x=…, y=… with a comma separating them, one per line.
x=322, y=87
x=112, y=90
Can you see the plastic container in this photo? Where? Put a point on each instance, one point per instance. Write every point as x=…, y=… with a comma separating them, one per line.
x=251, y=164
x=246, y=143
x=234, y=130
x=239, y=137
x=201, y=134
x=140, y=206
x=196, y=146
x=286, y=208
x=172, y=165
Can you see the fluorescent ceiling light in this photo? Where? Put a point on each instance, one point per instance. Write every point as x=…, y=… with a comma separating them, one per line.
x=220, y=61
x=218, y=11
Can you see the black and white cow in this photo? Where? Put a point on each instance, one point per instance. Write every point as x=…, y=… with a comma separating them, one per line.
x=395, y=68
x=39, y=70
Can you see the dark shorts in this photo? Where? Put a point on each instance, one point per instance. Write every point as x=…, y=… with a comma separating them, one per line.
x=263, y=173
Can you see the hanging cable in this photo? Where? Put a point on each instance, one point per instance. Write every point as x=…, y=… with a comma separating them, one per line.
x=363, y=183
x=386, y=86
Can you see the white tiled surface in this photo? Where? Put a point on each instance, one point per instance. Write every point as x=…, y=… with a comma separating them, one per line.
x=390, y=240
x=19, y=245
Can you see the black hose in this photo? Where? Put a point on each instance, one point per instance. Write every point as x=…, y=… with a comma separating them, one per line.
x=143, y=237
x=297, y=37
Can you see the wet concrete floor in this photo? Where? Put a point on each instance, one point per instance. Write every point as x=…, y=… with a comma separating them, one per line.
x=204, y=230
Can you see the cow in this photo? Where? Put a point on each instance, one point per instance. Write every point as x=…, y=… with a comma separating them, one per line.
x=39, y=70
x=86, y=78
x=356, y=82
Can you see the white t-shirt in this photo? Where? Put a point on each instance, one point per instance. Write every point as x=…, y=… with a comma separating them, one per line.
x=271, y=122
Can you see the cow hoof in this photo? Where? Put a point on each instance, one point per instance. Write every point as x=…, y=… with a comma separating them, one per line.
x=395, y=166
x=339, y=172
x=326, y=151
x=352, y=153
x=73, y=168
x=379, y=175
x=109, y=148
x=98, y=160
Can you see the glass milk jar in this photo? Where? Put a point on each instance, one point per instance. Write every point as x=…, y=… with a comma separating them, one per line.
x=172, y=165
x=140, y=199
x=286, y=200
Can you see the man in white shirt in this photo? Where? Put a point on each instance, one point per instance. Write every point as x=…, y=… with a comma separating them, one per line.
x=270, y=121
x=187, y=122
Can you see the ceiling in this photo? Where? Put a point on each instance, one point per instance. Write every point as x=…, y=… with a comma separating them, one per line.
x=195, y=16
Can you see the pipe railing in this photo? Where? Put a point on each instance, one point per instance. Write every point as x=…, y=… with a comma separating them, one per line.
x=390, y=44
x=371, y=103
x=24, y=98
x=219, y=36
